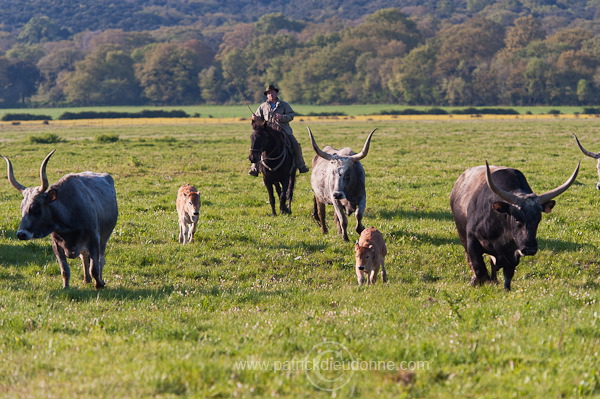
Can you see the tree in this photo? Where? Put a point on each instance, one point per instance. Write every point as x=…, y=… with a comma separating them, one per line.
x=23, y=77
x=104, y=77
x=212, y=86
x=60, y=58
x=413, y=83
x=41, y=29
x=169, y=74
x=463, y=46
x=525, y=30
x=272, y=23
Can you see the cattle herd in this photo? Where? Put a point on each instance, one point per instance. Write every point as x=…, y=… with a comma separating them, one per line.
x=494, y=209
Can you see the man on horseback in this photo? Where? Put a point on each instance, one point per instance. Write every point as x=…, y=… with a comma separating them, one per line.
x=279, y=114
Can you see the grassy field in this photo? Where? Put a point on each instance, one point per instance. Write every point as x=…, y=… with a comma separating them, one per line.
x=240, y=111
x=268, y=306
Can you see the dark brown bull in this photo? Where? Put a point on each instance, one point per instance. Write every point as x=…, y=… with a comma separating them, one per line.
x=497, y=213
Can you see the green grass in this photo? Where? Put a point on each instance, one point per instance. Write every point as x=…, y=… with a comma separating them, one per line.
x=180, y=320
x=240, y=111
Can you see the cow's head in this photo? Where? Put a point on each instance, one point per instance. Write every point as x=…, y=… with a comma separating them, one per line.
x=36, y=217
x=525, y=211
x=595, y=155
x=192, y=205
x=338, y=173
x=364, y=261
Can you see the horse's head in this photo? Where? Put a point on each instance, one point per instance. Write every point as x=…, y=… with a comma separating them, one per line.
x=258, y=138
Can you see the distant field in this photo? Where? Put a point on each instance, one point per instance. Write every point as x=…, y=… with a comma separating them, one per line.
x=253, y=305
x=239, y=111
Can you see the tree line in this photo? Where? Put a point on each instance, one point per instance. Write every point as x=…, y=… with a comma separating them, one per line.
x=386, y=57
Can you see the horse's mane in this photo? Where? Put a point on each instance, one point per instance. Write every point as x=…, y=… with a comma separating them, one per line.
x=259, y=123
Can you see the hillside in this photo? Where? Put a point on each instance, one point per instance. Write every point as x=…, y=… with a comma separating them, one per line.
x=180, y=52
x=138, y=15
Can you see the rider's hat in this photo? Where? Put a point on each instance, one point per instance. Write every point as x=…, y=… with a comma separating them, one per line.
x=269, y=88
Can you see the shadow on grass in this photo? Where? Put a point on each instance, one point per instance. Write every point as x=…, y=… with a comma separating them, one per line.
x=402, y=235
x=34, y=252
x=415, y=214
x=562, y=246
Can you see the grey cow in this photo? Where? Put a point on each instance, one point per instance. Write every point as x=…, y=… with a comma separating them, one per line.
x=338, y=179
x=595, y=155
x=79, y=211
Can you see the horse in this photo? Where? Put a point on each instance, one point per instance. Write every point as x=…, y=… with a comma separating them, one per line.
x=271, y=151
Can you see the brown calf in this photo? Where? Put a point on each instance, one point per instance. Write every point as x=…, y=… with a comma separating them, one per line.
x=188, y=209
x=370, y=255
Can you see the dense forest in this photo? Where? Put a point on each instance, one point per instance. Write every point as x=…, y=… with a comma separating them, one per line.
x=176, y=52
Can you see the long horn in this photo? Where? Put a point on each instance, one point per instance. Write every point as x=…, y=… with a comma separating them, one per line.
x=547, y=196
x=11, y=176
x=365, y=150
x=505, y=195
x=315, y=147
x=43, y=176
x=594, y=155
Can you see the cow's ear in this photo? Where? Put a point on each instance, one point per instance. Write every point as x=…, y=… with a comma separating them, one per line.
x=501, y=207
x=547, y=207
x=51, y=195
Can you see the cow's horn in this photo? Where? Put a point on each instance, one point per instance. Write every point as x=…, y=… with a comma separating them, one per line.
x=11, y=176
x=594, y=155
x=505, y=195
x=43, y=176
x=315, y=147
x=547, y=196
x=365, y=150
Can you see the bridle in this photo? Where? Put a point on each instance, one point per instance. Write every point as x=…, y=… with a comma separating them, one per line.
x=263, y=160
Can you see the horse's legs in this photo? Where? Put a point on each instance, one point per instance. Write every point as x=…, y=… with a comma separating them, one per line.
x=269, y=186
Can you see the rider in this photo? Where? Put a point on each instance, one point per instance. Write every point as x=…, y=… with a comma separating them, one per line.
x=279, y=113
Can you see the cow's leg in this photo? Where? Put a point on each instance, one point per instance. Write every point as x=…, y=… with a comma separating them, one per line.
x=509, y=272
x=181, y=232
x=321, y=215
x=95, y=264
x=495, y=268
x=476, y=262
x=271, y=197
x=192, y=232
x=315, y=212
x=341, y=219
x=360, y=275
x=65, y=271
x=373, y=275
x=360, y=211
x=102, y=260
x=383, y=272
x=85, y=261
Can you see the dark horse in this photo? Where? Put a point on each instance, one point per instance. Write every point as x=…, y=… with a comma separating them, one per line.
x=269, y=149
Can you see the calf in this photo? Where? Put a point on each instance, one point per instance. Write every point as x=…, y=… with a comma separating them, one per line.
x=370, y=255
x=188, y=209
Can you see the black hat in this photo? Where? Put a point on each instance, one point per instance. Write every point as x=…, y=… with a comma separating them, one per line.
x=269, y=88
